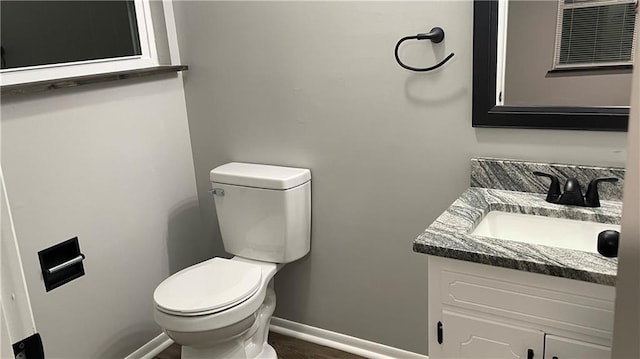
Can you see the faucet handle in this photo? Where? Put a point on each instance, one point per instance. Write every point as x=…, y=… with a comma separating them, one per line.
x=554, y=188
x=592, y=198
x=608, y=243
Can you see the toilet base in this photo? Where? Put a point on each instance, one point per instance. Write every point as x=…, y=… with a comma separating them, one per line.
x=248, y=344
x=230, y=351
x=268, y=353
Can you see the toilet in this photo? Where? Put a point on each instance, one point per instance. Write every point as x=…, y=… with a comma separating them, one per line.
x=221, y=308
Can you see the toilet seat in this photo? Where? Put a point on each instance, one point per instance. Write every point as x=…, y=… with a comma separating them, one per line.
x=178, y=322
x=209, y=287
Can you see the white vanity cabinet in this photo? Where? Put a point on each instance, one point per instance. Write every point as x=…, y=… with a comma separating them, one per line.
x=482, y=311
x=472, y=337
x=565, y=348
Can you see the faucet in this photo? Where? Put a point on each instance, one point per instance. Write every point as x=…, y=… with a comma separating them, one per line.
x=572, y=194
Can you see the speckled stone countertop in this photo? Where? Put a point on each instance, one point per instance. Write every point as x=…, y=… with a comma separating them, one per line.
x=449, y=235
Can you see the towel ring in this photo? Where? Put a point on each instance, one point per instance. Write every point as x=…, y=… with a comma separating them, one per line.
x=436, y=35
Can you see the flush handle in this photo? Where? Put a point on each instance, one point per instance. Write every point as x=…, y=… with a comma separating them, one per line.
x=217, y=192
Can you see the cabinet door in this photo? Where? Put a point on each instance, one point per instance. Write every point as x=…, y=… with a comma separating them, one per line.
x=564, y=348
x=465, y=336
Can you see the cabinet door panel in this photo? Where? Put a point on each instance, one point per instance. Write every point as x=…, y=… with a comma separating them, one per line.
x=564, y=348
x=469, y=337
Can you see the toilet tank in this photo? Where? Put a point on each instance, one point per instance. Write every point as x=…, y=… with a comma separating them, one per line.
x=264, y=211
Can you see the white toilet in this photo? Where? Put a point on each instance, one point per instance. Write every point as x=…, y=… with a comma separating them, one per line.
x=221, y=308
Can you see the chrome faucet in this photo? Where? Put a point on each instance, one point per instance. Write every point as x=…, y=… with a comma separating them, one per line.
x=572, y=194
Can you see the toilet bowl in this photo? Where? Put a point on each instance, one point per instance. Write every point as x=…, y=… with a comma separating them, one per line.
x=218, y=308
x=221, y=308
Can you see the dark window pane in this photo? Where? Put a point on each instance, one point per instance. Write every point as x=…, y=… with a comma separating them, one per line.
x=52, y=32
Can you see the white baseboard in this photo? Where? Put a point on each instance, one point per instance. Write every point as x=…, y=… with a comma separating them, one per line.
x=304, y=332
x=339, y=341
x=152, y=348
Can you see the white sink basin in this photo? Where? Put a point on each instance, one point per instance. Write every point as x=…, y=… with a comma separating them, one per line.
x=549, y=231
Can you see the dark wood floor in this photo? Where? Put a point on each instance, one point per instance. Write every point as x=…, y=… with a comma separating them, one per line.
x=286, y=347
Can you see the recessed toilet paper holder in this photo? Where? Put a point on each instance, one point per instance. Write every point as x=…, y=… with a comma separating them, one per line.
x=61, y=263
x=66, y=264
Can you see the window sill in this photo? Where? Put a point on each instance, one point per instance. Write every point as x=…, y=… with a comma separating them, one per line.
x=591, y=70
x=40, y=86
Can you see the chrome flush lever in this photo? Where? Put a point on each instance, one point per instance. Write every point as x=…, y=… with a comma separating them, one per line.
x=217, y=192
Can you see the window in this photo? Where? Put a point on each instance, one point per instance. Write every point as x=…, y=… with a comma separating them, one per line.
x=595, y=33
x=43, y=40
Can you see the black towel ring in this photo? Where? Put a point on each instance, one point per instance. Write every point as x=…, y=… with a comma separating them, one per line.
x=436, y=35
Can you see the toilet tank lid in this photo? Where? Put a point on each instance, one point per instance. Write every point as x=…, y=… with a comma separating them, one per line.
x=259, y=176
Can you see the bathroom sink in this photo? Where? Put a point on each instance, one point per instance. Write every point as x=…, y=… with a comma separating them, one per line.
x=548, y=231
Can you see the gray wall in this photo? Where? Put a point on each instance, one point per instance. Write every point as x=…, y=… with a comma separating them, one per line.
x=111, y=164
x=315, y=84
x=530, y=42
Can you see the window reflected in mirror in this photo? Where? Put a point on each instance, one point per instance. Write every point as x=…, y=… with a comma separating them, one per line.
x=592, y=34
x=575, y=53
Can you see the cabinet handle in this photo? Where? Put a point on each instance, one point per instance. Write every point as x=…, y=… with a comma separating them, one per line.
x=529, y=353
x=440, y=334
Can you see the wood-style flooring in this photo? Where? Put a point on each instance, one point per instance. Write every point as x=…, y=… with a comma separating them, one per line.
x=286, y=347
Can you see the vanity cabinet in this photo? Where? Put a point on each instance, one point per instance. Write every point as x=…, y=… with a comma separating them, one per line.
x=471, y=337
x=482, y=311
x=565, y=348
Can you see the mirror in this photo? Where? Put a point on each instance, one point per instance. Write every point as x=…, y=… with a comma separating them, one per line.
x=496, y=100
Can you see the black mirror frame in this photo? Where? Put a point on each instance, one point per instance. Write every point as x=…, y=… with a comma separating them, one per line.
x=487, y=114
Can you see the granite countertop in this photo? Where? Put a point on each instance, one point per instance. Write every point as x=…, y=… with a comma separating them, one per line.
x=449, y=236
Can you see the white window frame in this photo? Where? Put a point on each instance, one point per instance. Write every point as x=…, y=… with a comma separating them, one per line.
x=503, y=17
x=148, y=58
x=18, y=320
x=556, y=51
